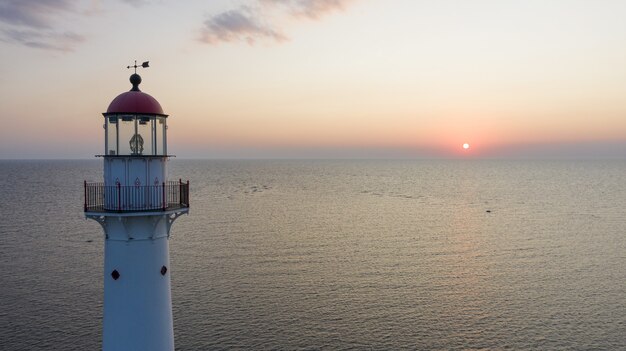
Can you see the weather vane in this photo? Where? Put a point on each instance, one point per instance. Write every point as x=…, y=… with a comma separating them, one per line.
x=144, y=65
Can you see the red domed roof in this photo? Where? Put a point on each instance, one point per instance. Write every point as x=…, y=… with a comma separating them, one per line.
x=135, y=101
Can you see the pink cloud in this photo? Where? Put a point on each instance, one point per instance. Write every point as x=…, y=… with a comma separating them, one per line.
x=235, y=25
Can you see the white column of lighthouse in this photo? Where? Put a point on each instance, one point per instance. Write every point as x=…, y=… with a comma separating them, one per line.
x=137, y=294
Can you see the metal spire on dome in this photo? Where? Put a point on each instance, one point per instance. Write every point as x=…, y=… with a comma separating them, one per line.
x=135, y=79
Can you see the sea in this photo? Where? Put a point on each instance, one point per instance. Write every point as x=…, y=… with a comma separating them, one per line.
x=338, y=255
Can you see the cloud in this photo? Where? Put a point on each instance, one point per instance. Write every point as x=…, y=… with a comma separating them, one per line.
x=137, y=3
x=32, y=23
x=34, y=13
x=245, y=24
x=63, y=42
x=234, y=25
x=313, y=9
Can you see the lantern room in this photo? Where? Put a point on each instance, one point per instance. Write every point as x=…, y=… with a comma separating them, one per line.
x=135, y=124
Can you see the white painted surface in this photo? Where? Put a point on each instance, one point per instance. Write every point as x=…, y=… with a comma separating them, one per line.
x=128, y=169
x=137, y=306
x=157, y=170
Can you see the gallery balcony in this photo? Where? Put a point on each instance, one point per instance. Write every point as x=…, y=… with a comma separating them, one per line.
x=167, y=196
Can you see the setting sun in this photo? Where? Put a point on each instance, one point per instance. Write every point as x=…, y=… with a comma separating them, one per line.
x=466, y=146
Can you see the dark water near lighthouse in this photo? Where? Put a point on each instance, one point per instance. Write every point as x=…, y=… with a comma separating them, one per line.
x=338, y=255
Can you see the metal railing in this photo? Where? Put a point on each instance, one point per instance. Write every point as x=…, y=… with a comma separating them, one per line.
x=128, y=198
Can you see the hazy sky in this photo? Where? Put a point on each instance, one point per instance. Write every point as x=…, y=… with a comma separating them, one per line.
x=321, y=78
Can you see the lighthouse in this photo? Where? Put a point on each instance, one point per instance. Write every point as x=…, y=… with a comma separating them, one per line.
x=136, y=206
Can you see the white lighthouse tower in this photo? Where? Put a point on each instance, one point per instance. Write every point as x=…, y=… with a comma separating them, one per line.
x=136, y=206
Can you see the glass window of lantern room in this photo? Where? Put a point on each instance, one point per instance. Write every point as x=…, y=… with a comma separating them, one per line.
x=144, y=136
x=111, y=135
x=160, y=135
x=126, y=130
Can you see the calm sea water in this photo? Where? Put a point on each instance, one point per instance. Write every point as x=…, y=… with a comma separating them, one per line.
x=338, y=255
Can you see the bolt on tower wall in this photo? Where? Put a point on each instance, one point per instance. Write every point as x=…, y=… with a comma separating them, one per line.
x=136, y=206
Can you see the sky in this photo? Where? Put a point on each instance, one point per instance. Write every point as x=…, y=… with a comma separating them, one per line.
x=321, y=78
